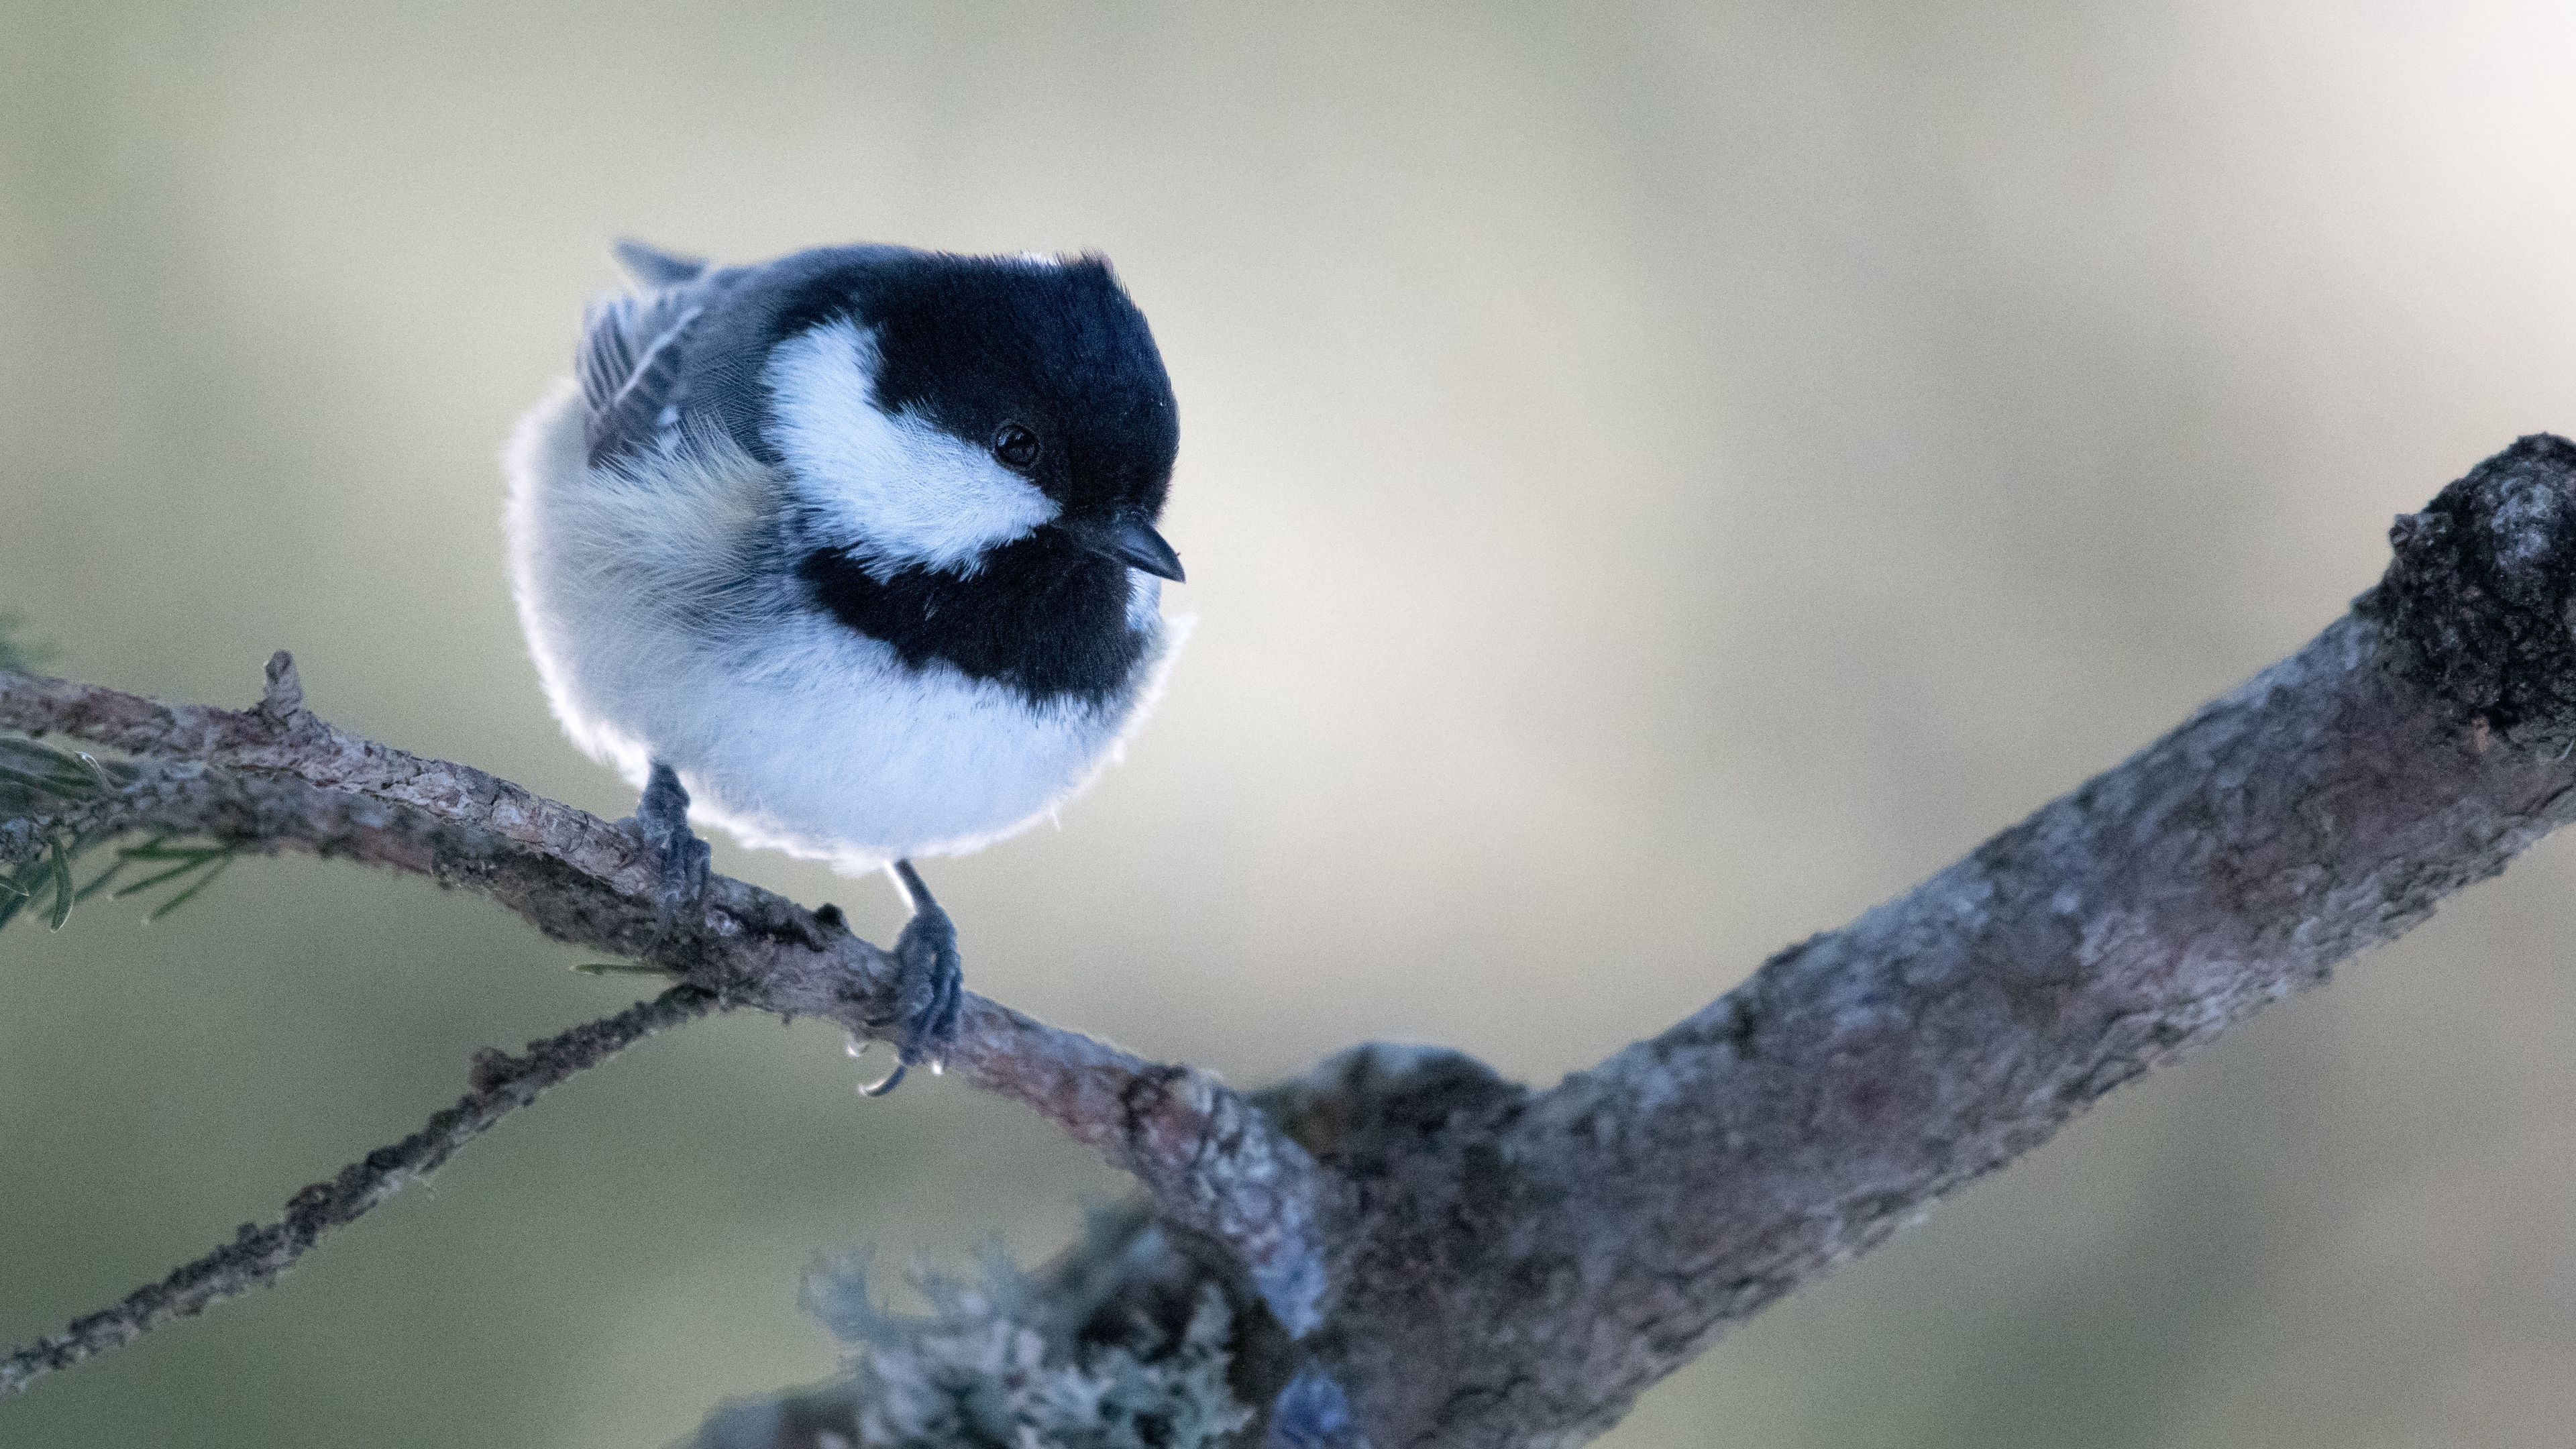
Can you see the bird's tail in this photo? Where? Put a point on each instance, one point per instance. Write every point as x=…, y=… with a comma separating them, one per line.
x=655, y=267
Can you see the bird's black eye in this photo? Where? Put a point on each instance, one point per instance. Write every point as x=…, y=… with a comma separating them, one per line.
x=1016, y=446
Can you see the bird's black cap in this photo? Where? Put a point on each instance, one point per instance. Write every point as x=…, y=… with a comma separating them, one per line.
x=980, y=347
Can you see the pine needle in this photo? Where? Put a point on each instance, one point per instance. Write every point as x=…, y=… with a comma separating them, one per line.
x=62, y=869
x=190, y=894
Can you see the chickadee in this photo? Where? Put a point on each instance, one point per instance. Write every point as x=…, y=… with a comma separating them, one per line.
x=855, y=549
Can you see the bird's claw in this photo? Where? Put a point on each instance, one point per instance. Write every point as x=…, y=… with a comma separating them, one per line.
x=683, y=883
x=680, y=857
x=930, y=987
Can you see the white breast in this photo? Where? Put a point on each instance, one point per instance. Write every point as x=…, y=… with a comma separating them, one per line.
x=789, y=730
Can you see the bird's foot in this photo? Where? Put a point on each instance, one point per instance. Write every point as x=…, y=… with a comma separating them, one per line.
x=662, y=818
x=930, y=984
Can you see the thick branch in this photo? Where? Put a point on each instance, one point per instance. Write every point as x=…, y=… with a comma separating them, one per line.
x=500, y=1084
x=1595, y=1237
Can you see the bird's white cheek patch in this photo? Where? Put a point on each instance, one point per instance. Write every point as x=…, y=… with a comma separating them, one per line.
x=892, y=488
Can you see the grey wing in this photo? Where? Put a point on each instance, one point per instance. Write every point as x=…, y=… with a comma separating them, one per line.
x=629, y=366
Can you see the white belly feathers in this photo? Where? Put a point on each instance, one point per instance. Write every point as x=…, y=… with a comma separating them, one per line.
x=657, y=639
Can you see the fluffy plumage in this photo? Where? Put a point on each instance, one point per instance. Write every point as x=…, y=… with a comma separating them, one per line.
x=771, y=540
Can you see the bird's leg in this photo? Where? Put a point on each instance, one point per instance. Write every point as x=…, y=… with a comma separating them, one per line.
x=662, y=817
x=929, y=985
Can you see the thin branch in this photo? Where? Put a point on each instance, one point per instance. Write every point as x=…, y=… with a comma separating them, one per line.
x=498, y=1085
x=275, y=778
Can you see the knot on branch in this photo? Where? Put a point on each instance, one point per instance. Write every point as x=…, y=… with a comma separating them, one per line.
x=281, y=701
x=2476, y=601
x=1385, y=1097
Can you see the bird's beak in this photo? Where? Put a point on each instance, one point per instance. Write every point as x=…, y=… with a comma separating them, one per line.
x=1131, y=541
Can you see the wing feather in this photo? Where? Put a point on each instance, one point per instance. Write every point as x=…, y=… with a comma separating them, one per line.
x=629, y=366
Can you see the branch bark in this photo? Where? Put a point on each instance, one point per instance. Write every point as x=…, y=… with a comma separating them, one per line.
x=1608, y=1228
x=1477, y=1263
x=274, y=778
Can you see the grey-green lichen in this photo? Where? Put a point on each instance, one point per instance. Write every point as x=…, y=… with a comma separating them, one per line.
x=996, y=1364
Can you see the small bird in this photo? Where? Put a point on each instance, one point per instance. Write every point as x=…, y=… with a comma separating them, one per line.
x=856, y=550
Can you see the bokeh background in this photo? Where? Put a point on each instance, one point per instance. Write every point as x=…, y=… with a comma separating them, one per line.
x=1656, y=480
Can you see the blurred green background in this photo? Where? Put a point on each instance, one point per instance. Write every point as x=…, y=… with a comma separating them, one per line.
x=1655, y=481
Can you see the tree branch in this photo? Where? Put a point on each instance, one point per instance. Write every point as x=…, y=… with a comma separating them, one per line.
x=1608, y=1228
x=499, y=1084
x=275, y=778
x=1481, y=1264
